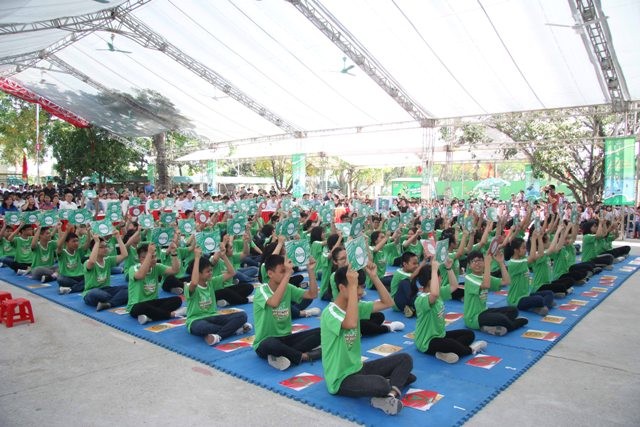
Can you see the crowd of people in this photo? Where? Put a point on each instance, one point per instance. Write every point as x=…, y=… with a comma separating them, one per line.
x=526, y=247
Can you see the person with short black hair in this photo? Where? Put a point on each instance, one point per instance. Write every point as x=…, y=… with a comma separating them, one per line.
x=98, y=291
x=272, y=316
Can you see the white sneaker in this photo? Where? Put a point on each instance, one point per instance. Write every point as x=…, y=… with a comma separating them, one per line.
x=618, y=259
x=63, y=290
x=395, y=326
x=447, y=357
x=250, y=298
x=102, y=306
x=279, y=362
x=43, y=279
x=494, y=330
x=21, y=272
x=181, y=312
x=222, y=303
x=570, y=290
x=390, y=405
x=244, y=329
x=177, y=291
x=143, y=318
x=212, y=339
x=478, y=346
x=313, y=311
x=542, y=311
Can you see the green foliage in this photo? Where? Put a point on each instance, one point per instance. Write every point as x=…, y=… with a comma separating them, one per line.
x=83, y=152
x=18, y=129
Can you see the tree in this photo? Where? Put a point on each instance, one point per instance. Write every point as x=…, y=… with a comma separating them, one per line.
x=351, y=178
x=83, y=152
x=18, y=128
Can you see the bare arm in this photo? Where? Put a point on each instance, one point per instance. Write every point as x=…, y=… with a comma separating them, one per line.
x=351, y=318
x=275, y=299
x=312, y=292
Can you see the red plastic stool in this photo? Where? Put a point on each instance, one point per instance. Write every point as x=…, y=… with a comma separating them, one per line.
x=3, y=296
x=9, y=314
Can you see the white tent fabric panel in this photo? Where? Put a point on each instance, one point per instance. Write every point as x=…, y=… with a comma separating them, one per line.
x=453, y=58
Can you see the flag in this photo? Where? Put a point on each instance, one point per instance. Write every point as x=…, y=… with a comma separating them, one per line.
x=24, y=167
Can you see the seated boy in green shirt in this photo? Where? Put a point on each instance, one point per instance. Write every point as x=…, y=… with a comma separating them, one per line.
x=345, y=373
x=272, y=316
x=98, y=291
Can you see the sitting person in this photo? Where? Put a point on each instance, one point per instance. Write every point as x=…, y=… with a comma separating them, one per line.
x=143, y=301
x=202, y=319
x=345, y=374
x=403, y=288
x=431, y=337
x=228, y=293
x=477, y=282
x=44, y=255
x=70, y=274
x=21, y=239
x=98, y=291
x=520, y=295
x=272, y=316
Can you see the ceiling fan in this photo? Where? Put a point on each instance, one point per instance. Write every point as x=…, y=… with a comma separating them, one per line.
x=345, y=68
x=111, y=47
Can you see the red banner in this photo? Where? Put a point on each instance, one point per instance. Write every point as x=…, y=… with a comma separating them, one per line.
x=13, y=88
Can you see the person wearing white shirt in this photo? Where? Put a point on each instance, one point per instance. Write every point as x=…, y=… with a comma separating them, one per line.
x=68, y=202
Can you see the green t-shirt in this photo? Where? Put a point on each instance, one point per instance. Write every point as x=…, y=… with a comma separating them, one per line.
x=380, y=260
x=341, y=351
x=391, y=251
x=70, y=264
x=520, y=281
x=416, y=248
x=317, y=248
x=561, y=261
x=430, y=323
x=201, y=303
x=398, y=276
x=334, y=286
x=542, y=272
x=445, y=286
x=24, y=253
x=131, y=259
x=99, y=276
x=324, y=280
x=589, y=247
x=475, y=298
x=6, y=248
x=269, y=321
x=146, y=288
x=219, y=269
x=44, y=256
x=185, y=255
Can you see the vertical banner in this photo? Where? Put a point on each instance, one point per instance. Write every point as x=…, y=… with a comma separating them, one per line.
x=151, y=173
x=212, y=173
x=299, y=174
x=531, y=184
x=619, y=171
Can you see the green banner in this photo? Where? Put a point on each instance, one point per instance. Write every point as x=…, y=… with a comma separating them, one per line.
x=151, y=173
x=619, y=171
x=299, y=174
x=407, y=189
x=531, y=184
x=212, y=173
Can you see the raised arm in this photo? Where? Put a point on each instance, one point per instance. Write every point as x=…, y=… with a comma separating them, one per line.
x=275, y=299
x=195, y=272
x=93, y=256
x=312, y=292
x=124, y=252
x=351, y=318
x=385, y=300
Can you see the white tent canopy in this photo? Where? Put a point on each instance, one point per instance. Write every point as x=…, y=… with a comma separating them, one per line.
x=238, y=69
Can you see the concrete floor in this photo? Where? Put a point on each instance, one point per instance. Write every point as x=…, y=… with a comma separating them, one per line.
x=69, y=370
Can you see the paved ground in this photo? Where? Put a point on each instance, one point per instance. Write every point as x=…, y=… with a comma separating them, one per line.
x=69, y=370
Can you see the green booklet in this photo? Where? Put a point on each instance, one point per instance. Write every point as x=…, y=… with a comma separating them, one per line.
x=89, y=194
x=208, y=241
x=424, y=212
x=357, y=226
x=427, y=225
x=169, y=202
x=298, y=251
x=492, y=214
x=162, y=236
x=30, y=217
x=168, y=218
x=468, y=224
x=48, y=218
x=155, y=205
x=187, y=226
x=80, y=216
x=357, y=253
x=114, y=206
x=146, y=221
x=102, y=228
x=285, y=205
x=289, y=227
x=442, y=251
x=13, y=218
x=236, y=225
x=393, y=223
x=384, y=204
x=115, y=216
x=134, y=201
x=345, y=228
x=326, y=214
x=406, y=218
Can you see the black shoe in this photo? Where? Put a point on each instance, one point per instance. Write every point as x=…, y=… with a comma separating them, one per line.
x=315, y=354
x=410, y=380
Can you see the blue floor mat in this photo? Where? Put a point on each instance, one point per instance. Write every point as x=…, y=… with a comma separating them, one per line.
x=465, y=387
